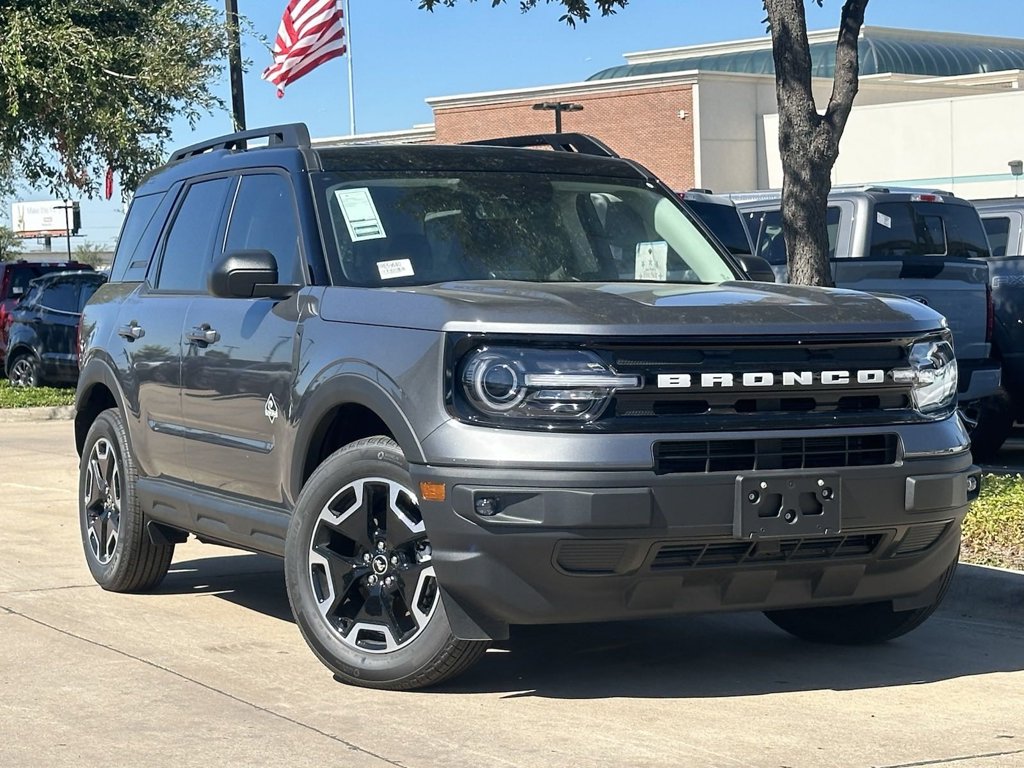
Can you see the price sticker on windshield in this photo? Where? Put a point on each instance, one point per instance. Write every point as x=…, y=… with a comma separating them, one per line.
x=651, y=261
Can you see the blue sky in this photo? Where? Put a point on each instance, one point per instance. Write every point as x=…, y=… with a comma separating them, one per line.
x=403, y=55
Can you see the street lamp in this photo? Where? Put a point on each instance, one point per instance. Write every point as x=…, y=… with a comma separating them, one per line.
x=558, y=107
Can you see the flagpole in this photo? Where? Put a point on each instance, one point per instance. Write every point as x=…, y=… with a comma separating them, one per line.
x=351, y=80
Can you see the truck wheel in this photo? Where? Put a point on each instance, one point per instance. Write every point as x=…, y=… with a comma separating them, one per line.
x=359, y=575
x=118, y=550
x=994, y=417
x=857, y=624
x=24, y=371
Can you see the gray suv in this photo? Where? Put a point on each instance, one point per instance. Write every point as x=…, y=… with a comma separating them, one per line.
x=459, y=388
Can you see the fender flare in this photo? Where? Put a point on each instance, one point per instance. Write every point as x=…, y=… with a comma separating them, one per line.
x=348, y=389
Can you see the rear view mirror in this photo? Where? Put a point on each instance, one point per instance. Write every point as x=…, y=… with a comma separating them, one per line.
x=756, y=267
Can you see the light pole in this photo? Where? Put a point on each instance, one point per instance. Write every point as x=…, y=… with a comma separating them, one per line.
x=235, y=65
x=67, y=208
x=558, y=107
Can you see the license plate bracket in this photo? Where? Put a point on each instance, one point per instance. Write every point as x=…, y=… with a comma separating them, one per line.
x=775, y=505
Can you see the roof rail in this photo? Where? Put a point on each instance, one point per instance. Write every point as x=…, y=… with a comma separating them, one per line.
x=290, y=135
x=580, y=143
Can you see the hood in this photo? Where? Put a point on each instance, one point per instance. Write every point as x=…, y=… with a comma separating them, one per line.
x=629, y=309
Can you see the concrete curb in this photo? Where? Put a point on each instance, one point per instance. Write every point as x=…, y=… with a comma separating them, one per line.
x=983, y=592
x=21, y=415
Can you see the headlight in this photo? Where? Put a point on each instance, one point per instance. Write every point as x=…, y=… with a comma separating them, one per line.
x=539, y=384
x=933, y=375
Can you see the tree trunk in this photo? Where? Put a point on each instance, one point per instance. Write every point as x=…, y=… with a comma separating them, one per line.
x=808, y=141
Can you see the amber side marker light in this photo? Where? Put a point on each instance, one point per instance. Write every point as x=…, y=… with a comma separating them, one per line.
x=432, y=491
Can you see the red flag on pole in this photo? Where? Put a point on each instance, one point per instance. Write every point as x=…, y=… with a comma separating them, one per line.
x=311, y=32
x=108, y=183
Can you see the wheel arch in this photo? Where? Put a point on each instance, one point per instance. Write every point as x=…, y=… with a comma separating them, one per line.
x=17, y=350
x=340, y=411
x=97, y=391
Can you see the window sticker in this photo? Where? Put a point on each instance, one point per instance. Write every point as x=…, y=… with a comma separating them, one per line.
x=395, y=268
x=884, y=220
x=360, y=214
x=652, y=261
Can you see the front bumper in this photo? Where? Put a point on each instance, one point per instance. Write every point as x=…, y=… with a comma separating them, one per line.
x=573, y=546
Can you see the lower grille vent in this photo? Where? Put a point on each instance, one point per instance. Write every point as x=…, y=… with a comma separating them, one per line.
x=920, y=537
x=688, y=555
x=701, y=456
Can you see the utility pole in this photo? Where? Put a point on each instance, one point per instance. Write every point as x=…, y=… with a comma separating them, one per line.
x=67, y=208
x=235, y=65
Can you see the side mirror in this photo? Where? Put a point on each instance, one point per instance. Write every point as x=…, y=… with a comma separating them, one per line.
x=247, y=275
x=756, y=268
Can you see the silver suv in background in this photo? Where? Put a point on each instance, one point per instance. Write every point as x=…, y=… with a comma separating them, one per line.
x=927, y=245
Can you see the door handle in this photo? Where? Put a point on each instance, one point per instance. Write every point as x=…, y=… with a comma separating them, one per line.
x=133, y=331
x=203, y=334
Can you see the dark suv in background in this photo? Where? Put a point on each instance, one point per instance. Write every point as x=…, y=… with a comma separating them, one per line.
x=43, y=335
x=14, y=279
x=463, y=387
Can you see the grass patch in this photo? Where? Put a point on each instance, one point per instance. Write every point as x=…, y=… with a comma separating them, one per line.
x=994, y=528
x=34, y=397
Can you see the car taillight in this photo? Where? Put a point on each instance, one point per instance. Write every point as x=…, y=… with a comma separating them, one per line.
x=990, y=313
x=926, y=198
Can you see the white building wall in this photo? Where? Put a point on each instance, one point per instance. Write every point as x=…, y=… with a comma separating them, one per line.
x=961, y=144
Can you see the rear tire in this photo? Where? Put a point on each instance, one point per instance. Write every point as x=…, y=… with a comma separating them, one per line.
x=360, y=579
x=118, y=550
x=24, y=371
x=865, y=624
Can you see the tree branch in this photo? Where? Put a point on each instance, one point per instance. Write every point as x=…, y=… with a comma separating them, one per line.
x=845, y=82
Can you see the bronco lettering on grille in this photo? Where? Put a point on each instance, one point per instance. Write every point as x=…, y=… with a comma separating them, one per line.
x=753, y=380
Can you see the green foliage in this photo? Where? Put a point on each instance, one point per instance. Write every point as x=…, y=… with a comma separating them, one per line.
x=91, y=84
x=90, y=253
x=34, y=397
x=994, y=528
x=574, y=9
x=10, y=245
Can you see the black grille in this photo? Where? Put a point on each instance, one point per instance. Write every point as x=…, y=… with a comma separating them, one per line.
x=591, y=557
x=769, y=401
x=698, y=456
x=688, y=555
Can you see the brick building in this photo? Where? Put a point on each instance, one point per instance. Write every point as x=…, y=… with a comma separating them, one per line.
x=706, y=116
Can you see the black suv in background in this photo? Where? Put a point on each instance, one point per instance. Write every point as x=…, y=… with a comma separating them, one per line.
x=464, y=387
x=43, y=336
x=14, y=279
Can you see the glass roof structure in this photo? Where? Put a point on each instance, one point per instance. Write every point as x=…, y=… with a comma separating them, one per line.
x=913, y=55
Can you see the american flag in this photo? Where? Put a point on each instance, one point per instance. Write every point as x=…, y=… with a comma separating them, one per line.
x=311, y=32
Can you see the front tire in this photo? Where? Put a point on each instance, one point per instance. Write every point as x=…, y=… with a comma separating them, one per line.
x=360, y=579
x=994, y=423
x=865, y=624
x=118, y=550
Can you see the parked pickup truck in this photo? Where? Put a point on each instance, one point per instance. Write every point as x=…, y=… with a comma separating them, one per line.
x=1004, y=223
x=927, y=245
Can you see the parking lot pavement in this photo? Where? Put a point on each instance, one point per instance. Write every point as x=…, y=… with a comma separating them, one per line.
x=211, y=671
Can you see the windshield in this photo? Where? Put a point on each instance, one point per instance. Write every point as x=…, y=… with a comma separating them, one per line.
x=927, y=229
x=422, y=229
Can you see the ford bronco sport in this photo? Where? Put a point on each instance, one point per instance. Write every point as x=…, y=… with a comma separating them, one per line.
x=459, y=388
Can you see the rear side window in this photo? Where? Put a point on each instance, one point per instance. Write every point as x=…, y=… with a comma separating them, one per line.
x=772, y=246
x=189, y=246
x=138, y=220
x=725, y=222
x=922, y=228
x=60, y=297
x=88, y=289
x=998, y=231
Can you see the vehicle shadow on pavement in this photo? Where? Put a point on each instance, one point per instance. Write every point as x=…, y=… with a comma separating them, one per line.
x=685, y=657
x=252, y=581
